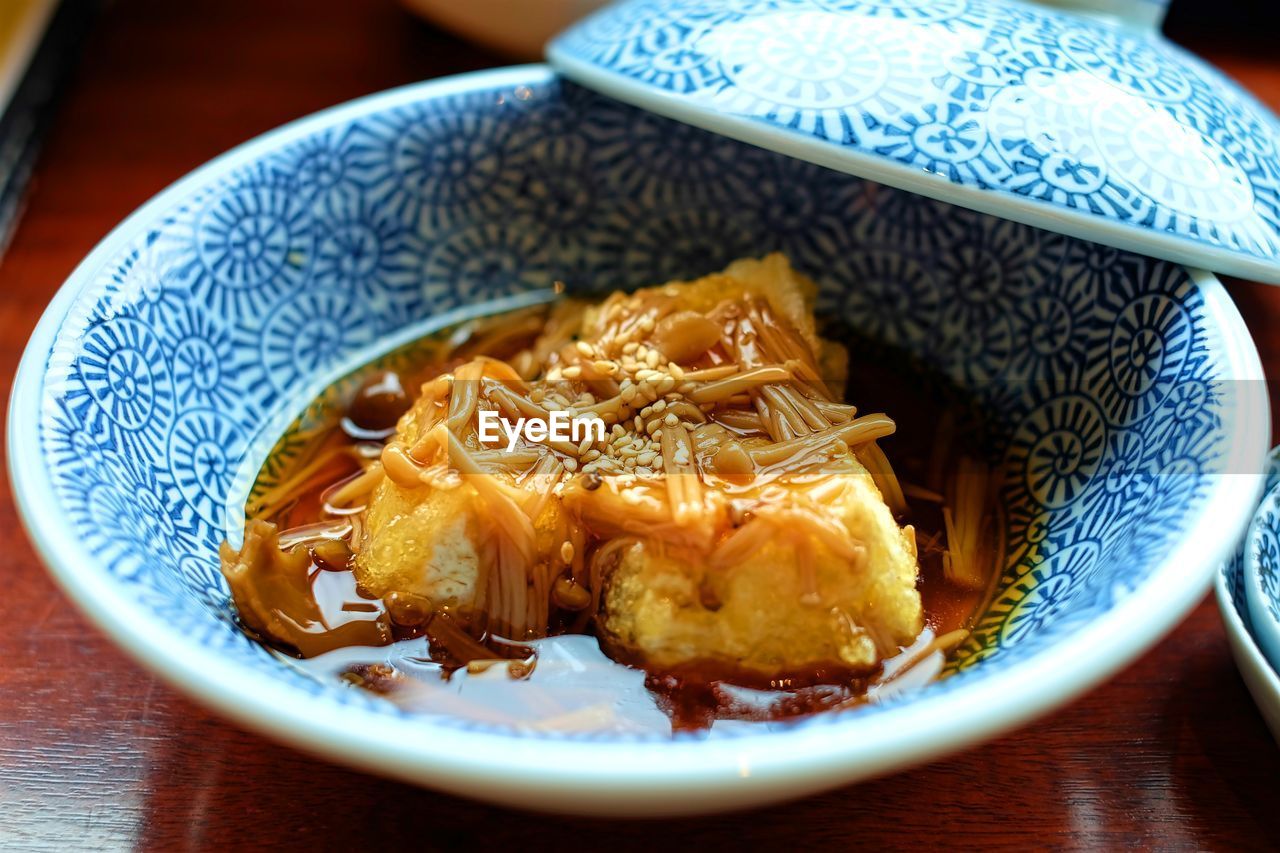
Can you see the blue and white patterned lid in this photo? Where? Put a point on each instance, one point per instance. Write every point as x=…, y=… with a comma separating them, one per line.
x=1078, y=121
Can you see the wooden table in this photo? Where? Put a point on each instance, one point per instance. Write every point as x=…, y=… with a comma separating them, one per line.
x=96, y=752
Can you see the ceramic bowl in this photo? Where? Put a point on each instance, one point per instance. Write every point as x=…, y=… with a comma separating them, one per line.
x=1124, y=386
x=1231, y=586
x=1072, y=115
x=1262, y=572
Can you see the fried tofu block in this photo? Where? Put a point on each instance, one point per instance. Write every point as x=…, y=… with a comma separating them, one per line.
x=789, y=608
x=760, y=575
x=417, y=538
x=432, y=538
x=422, y=541
x=771, y=279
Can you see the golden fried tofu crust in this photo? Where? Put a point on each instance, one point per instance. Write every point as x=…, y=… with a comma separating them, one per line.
x=724, y=523
x=790, y=607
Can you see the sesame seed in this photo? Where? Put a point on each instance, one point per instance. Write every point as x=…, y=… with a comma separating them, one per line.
x=570, y=463
x=659, y=406
x=653, y=358
x=670, y=420
x=566, y=551
x=573, y=371
x=586, y=349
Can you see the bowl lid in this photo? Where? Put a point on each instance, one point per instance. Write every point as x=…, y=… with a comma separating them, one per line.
x=1082, y=121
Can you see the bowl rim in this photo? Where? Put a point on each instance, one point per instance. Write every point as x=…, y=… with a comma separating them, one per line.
x=855, y=160
x=1260, y=677
x=639, y=777
x=1266, y=628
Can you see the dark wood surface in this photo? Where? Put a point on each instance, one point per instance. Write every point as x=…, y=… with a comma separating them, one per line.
x=95, y=752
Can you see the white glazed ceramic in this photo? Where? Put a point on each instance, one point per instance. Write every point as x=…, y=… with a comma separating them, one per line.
x=1128, y=389
x=1262, y=569
x=1083, y=122
x=1259, y=678
x=1233, y=591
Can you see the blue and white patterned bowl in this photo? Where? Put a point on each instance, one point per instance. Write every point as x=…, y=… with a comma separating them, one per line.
x=1127, y=390
x=1259, y=674
x=1262, y=568
x=1082, y=121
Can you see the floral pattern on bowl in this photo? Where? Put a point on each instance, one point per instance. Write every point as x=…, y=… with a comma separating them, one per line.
x=1036, y=114
x=168, y=365
x=1261, y=567
x=1259, y=675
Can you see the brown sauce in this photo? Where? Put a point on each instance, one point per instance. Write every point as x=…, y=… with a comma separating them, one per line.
x=345, y=615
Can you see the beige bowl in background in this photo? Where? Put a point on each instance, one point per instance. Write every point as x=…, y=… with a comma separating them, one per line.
x=517, y=28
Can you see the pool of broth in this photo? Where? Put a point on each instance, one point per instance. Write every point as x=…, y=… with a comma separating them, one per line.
x=937, y=422
x=565, y=682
